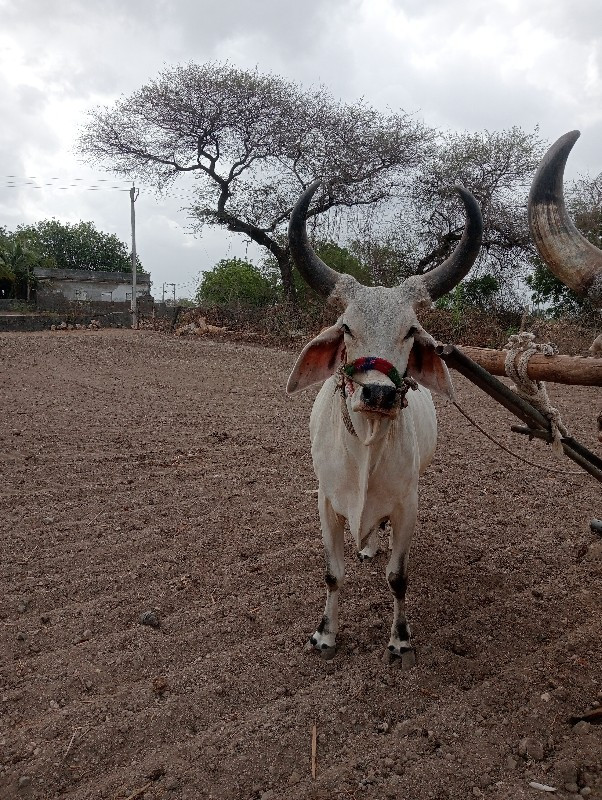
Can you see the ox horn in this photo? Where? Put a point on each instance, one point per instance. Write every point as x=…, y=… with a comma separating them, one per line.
x=443, y=278
x=316, y=273
x=438, y=281
x=568, y=254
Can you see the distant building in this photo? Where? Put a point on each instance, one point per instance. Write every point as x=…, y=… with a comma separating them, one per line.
x=55, y=286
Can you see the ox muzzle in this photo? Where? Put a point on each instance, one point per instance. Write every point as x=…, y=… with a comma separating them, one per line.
x=384, y=399
x=378, y=398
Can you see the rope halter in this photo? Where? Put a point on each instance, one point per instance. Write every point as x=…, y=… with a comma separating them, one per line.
x=346, y=382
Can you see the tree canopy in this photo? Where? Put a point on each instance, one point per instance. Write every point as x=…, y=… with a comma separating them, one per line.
x=76, y=246
x=497, y=167
x=233, y=281
x=254, y=142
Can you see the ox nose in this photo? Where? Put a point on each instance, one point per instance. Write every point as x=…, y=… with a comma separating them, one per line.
x=378, y=397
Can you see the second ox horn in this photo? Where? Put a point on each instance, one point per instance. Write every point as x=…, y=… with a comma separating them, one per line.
x=574, y=260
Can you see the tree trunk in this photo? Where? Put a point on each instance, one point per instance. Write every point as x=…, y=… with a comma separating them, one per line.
x=285, y=264
x=281, y=254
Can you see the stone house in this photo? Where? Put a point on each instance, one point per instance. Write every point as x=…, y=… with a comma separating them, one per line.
x=56, y=287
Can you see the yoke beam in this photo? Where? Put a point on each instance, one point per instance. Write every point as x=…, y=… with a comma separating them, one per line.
x=538, y=424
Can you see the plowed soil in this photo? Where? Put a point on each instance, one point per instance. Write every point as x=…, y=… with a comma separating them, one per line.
x=153, y=479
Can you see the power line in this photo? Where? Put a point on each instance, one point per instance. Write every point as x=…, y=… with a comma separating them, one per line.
x=12, y=181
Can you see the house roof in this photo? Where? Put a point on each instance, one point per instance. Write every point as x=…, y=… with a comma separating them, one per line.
x=94, y=275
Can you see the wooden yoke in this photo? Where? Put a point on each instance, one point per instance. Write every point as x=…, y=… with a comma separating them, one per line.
x=572, y=370
x=538, y=424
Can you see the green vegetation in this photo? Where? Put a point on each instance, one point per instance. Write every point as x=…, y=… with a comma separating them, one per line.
x=56, y=245
x=478, y=293
x=233, y=281
x=76, y=246
x=548, y=292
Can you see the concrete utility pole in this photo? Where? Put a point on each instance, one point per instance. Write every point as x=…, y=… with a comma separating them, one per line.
x=133, y=197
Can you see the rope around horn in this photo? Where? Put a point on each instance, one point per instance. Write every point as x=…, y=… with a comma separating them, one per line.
x=520, y=347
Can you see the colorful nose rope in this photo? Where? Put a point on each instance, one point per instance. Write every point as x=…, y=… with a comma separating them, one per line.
x=367, y=363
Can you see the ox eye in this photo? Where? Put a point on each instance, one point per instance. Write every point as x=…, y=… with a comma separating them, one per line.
x=345, y=329
x=410, y=333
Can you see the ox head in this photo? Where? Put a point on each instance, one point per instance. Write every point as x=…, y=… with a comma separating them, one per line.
x=377, y=333
x=568, y=254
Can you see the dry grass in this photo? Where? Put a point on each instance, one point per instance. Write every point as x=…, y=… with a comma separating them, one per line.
x=285, y=325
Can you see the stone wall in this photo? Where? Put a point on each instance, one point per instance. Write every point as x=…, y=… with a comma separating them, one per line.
x=43, y=322
x=15, y=305
x=48, y=300
x=57, y=309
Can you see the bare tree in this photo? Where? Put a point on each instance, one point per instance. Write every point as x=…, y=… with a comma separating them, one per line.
x=584, y=204
x=254, y=142
x=497, y=167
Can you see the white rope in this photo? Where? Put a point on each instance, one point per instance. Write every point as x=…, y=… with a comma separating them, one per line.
x=520, y=347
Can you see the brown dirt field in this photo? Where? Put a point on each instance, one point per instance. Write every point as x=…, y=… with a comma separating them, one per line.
x=141, y=471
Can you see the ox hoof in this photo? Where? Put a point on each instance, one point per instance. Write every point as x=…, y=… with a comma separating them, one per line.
x=325, y=646
x=328, y=653
x=404, y=657
x=363, y=556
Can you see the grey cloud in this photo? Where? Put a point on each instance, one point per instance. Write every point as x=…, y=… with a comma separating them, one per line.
x=290, y=26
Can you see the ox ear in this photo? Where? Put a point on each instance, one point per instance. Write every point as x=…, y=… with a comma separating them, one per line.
x=425, y=366
x=318, y=360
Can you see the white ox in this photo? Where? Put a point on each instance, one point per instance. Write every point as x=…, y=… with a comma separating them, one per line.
x=373, y=426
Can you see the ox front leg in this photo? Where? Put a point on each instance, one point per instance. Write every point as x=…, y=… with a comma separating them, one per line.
x=402, y=529
x=324, y=639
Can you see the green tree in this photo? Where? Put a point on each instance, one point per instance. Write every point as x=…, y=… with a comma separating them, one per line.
x=477, y=293
x=339, y=258
x=253, y=142
x=547, y=291
x=233, y=281
x=76, y=246
x=16, y=268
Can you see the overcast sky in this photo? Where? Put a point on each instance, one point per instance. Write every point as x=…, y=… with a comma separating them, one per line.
x=469, y=65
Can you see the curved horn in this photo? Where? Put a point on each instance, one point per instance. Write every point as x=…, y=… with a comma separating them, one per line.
x=568, y=254
x=316, y=273
x=444, y=277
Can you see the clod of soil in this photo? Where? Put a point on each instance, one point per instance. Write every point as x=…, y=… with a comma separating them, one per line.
x=150, y=618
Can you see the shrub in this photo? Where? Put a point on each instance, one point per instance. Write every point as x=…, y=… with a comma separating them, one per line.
x=233, y=281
